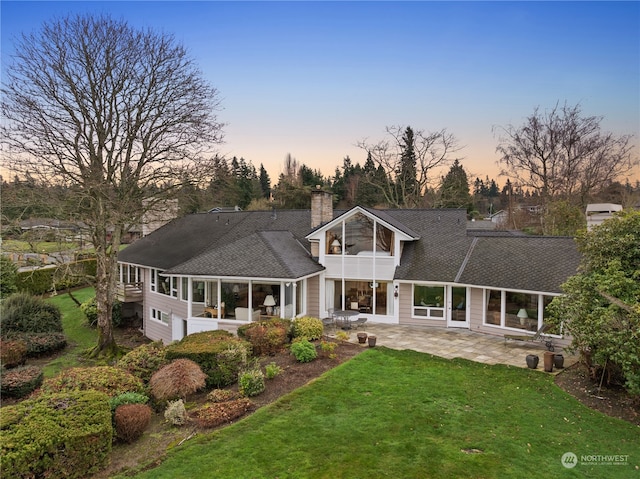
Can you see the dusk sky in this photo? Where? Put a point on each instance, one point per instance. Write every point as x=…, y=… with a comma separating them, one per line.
x=314, y=78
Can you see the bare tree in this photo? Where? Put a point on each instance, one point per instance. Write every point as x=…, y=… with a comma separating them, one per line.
x=116, y=116
x=562, y=154
x=407, y=158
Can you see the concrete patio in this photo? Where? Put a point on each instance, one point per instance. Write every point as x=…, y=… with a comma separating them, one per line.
x=458, y=343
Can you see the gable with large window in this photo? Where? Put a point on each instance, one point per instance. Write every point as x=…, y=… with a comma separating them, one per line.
x=359, y=235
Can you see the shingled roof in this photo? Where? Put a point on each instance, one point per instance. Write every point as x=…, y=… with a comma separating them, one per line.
x=535, y=263
x=268, y=244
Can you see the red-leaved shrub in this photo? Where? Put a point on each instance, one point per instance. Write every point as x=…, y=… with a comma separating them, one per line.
x=213, y=415
x=177, y=380
x=131, y=420
x=12, y=353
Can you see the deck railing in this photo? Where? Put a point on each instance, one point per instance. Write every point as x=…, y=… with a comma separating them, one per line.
x=130, y=292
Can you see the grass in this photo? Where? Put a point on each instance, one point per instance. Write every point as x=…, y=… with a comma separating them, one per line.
x=20, y=246
x=79, y=336
x=403, y=414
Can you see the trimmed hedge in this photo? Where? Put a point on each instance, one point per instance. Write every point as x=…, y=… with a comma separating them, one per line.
x=24, y=313
x=41, y=281
x=220, y=355
x=19, y=382
x=107, y=379
x=144, y=360
x=59, y=435
x=41, y=344
x=12, y=353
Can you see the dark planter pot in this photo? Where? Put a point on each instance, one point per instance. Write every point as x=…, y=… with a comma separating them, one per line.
x=548, y=361
x=558, y=361
x=532, y=361
x=362, y=338
x=372, y=341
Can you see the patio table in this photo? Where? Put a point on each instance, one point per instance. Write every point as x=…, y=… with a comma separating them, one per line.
x=343, y=317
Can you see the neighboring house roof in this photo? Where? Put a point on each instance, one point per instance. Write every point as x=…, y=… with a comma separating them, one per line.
x=603, y=208
x=270, y=244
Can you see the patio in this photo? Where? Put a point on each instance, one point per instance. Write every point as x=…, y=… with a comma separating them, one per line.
x=459, y=343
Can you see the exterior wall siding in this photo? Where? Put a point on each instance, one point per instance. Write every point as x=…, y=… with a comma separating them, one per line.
x=313, y=296
x=153, y=329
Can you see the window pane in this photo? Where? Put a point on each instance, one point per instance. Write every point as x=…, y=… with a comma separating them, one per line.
x=198, y=291
x=494, y=306
x=334, y=240
x=521, y=311
x=384, y=239
x=358, y=235
x=428, y=301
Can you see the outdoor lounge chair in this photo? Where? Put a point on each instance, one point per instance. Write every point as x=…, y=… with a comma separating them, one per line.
x=539, y=336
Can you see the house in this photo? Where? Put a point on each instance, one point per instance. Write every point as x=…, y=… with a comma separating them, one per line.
x=413, y=267
x=599, y=212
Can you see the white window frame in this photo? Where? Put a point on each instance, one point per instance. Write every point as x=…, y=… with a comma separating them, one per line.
x=160, y=316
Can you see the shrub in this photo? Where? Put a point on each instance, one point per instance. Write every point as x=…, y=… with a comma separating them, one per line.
x=308, y=328
x=144, y=360
x=251, y=382
x=176, y=380
x=127, y=398
x=8, y=277
x=213, y=415
x=41, y=344
x=219, y=354
x=328, y=348
x=272, y=370
x=60, y=435
x=266, y=337
x=342, y=336
x=107, y=379
x=24, y=313
x=304, y=351
x=19, y=382
x=90, y=310
x=176, y=413
x=221, y=395
x=131, y=420
x=12, y=353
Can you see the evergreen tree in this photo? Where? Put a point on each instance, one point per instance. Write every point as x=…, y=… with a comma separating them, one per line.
x=265, y=182
x=454, y=192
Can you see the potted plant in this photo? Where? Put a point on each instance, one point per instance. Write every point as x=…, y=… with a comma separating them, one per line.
x=532, y=361
x=362, y=338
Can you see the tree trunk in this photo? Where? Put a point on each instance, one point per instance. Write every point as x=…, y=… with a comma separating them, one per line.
x=106, y=287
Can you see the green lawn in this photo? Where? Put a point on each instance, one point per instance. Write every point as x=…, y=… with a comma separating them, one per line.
x=19, y=246
x=402, y=414
x=79, y=336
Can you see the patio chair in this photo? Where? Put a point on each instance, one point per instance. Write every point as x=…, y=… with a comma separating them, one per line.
x=539, y=336
x=359, y=323
x=329, y=323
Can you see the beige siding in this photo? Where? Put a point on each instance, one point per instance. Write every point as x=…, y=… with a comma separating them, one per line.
x=313, y=296
x=156, y=330
x=405, y=309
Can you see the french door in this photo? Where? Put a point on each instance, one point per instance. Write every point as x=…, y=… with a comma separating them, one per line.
x=457, y=307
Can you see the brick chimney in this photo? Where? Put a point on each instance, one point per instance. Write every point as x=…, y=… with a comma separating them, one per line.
x=321, y=212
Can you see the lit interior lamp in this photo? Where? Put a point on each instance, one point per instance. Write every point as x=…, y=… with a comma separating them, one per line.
x=335, y=247
x=522, y=314
x=269, y=302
